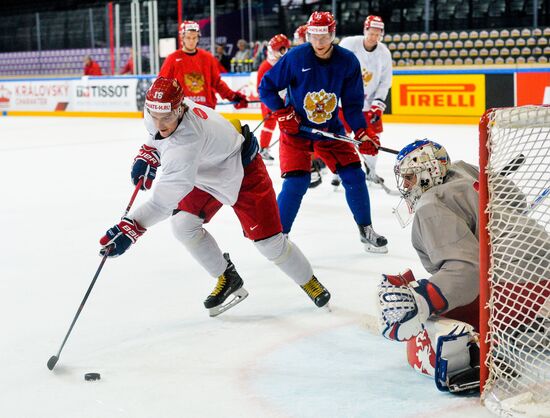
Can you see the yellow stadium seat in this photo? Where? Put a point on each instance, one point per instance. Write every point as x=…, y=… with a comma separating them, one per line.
x=494, y=52
x=536, y=32
x=542, y=41
x=396, y=54
x=387, y=38
x=401, y=46
x=406, y=54
x=415, y=37
x=509, y=43
x=458, y=61
x=463, y=35
x=419, y=61
x=483, y=34
x=483, y=52
x=526, y=32
x=531, y=60
x=448, y=61
x=468, y=61
x=515, y=33
x=546, y=32
x=531, y=41
x=470, y=44
x=401, y=63
x=499, y=60
x=473, y=53
x=478, y=43
x=543, y=60
x=520, y=60
x=459, y=44
x=504, y=33
x=515, y=51
x=453, y=36
x=444, y=53
x=463, y=53
x=434, y=36
x=499, y=43
x=419, y=45
x=429, y=61
x=453, y=53
x=489, y=61
x=510, y=60
x=478, y=61
x=438, y=61
x=504, y=52
x=521, y=42
x=474, y=34
x=434, y=54
x=410, y=46
x=448, y=44
x=415, y=54
x=424, y=37
x=444, y=36
x=489, y=43
x=392, y=46
x=396, y=37
x=423, y=54
x=429, y=45
x=438, y=45
x=406, y=37
x=494, y=34
x=537, y=50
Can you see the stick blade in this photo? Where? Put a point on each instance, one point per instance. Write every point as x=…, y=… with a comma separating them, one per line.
x=52, y=362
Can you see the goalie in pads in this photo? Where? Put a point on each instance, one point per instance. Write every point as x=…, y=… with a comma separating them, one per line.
x=437, y=316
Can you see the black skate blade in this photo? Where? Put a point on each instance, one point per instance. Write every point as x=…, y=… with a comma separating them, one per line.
x=236, y=297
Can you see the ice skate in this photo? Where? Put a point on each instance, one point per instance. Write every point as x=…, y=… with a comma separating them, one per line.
x=317, y=292
x=336, y=181
x=229, y=287
x=266, y=156
x=374, y=243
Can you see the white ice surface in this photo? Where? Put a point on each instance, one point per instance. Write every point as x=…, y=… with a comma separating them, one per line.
x=144, y=328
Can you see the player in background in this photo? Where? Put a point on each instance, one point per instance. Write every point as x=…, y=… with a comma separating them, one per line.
x=439, y=316
x=207, y=163
x=376, y=73
x=197, y=71
x=300, y=35
x=91, y=67
x=316, y=75
x=277, y=47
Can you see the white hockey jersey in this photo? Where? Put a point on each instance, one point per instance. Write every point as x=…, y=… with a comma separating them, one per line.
x=204, y=152
x=376, y=68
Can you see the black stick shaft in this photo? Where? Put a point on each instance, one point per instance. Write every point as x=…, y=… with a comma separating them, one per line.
x=84, y=300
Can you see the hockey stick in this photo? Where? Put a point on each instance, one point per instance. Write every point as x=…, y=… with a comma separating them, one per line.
x=232, y=103
x=54, y=359
x=513, y=165
x=330, y=135
x=376, y=179
x=262, y=122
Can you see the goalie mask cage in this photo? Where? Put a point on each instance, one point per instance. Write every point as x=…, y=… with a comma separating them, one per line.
x=514, y=156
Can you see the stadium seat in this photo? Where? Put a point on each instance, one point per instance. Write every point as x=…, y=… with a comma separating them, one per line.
x=463, y=35
x=415, y=37
x=405, y=37
x=542, y=41
x=396, y=37
x=478, y=43
x=531, y=60
x=537, y=50
x=392, y=46
x=478, y=61
x=493, y=52
x=400, y=46
x=396, y=54
x=387, y=37
x=489, y=43
x=419, y=61
x=504, y=33
x=521, y=60
x=521, y=42
x=444, y=53
x=510, y=60
x=434, y=54
x=415, y=54
x=401, y=63
x=434, y=36
x=515, y=33
x=448, y=61
x=542, y=60
x=438, y=61
x=483, y=34
x=546, y=32
x=473, y=53
x=430, y=45
x=453, y=36
x=458, y=44
x=494, y=34
x=536, y=32
x=429, y=61
x=463, y=53
x=423, y=54
x=453, y=53
x=499, y=43
x=489, y=61
x=474, y=34
x=509, y=43
x=470, y=44
x=424, y=37
x=468, y=61
x=499, y=60
x=419, y=45
x=410, y=46
x=458, y=61
x=444, y=36
x=515, y=52
x=448, y=44
x=437, y=45
x=531, y=41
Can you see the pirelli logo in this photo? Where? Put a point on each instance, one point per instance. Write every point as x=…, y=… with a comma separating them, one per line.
x=448, y=95
x=439, y=95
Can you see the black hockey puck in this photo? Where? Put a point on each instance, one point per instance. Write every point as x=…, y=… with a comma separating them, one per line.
x=92, y=376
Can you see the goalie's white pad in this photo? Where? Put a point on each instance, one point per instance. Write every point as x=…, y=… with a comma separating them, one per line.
x=446, y=350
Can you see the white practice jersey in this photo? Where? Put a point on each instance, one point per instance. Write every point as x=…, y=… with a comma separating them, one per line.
x=445, y=235
x=376, y=68
x=204, y=152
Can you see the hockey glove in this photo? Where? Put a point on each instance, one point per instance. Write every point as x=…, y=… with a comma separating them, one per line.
x=120, y=237
x=374, y=115
x=370, y=141
x=240, y=100
x=289, y=120
x=145, y=166
x=405, y=305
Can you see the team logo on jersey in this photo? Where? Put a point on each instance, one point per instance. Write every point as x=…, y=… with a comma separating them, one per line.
x=194, y=82
x=319, y=106
x=367, y=76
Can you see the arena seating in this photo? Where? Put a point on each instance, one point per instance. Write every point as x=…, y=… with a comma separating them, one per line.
x=474, y=47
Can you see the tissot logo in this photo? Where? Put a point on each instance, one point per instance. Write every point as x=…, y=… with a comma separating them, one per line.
x=102, y=91
x=438, y=95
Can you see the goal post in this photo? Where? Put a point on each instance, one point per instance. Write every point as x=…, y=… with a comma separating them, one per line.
x=514, y=240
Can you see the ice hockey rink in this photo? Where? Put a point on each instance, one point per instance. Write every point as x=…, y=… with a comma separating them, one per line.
x=144, y=327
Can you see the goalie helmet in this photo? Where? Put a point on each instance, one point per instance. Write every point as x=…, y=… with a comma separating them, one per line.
x=419, y=167
x=320, y=23
x=373, y=21
x=165, y=95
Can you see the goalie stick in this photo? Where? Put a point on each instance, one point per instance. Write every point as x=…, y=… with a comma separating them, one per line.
x=54, y=359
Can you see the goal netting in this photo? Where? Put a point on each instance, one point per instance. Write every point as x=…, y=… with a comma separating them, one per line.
x=515, y=260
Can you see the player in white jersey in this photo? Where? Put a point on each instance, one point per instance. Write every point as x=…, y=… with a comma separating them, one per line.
x=376, y=69
x=439, y=316
x=207, y=162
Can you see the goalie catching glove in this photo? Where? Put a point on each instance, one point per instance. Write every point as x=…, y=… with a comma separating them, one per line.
x=406, y=304
x=119, y=238
x=369, y=141
x=145, y=166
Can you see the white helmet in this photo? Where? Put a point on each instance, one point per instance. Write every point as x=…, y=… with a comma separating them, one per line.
x=427, y=161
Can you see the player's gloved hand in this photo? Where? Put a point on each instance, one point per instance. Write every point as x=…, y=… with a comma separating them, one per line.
x=289, y=120
x=370, y=141
x=405, y=305
x=145, y=166
x=240, y=100
x=120, y=237
x=374, y=115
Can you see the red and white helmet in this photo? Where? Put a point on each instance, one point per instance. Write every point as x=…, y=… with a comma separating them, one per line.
x=373, y=21
x=279, y=42
x=300, y=35
x=320, y=23
x=165, y=95
x=277, y=47
x=189, y=25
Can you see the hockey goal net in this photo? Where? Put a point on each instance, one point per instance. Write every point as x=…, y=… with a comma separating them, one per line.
x=515, y=260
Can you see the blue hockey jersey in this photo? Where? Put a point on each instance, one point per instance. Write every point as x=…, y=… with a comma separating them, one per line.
x=314, y=87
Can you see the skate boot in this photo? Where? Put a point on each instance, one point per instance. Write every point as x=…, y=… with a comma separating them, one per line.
x=374, y=243
x=266, y=156
x=230, y=285
x=317, y=292
x=336, y=180
x=316, y=178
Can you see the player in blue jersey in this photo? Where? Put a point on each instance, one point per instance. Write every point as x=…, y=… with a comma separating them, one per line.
x=316, y=75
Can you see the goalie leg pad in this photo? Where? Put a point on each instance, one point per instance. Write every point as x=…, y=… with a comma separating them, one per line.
x=287, y=256
x=187, y=228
